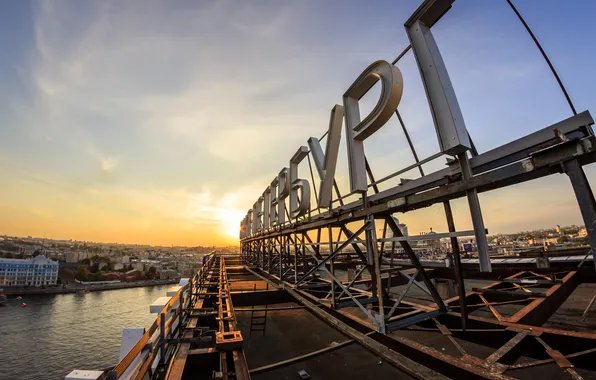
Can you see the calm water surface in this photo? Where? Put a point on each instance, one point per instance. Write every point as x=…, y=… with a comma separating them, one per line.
x=58, y=333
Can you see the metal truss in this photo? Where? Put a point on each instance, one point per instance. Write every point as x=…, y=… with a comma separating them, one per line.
x=317, y=252
x=314, y=265
x=498, y=347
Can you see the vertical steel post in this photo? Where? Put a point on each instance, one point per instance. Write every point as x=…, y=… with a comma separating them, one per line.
x=317, y=247
x=296, y=250
x=585, y=199
x=304, y=263
x=333, y=301
x=190, y=286
x=162, y=337
x=476, y=212
x=180, y=308
x=457, y=264
x=414, y=259
x=384, y=236
x=282, y=249
x=372, y=249
x=269, y=252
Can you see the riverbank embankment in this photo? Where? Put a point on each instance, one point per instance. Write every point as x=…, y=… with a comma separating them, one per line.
x=74, y=288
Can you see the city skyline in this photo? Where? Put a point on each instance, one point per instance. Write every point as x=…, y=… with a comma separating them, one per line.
x=162, y=127
x=50, y=239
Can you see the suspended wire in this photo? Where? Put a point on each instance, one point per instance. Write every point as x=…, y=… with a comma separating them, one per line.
x=552, y=68
x=550, y=65
x=401, y=54
x=403, y=126
x=474, y=152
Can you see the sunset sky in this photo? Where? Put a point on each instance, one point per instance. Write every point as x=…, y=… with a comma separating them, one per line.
x=161, y=122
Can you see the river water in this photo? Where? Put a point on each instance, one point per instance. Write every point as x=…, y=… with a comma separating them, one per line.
x=58, y=333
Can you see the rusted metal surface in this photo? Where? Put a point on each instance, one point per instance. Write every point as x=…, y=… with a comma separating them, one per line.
x=301, y=357
x=206, y=299
x=499, y=363
x=286, y=249
x=559, y=358
x=178, y=362
x=467, y=363
x=415, y=369
x=539, y=300
x=537, y=312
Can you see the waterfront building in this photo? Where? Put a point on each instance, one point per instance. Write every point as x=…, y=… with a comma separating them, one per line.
x=168, y=274
x=36, y=271
x=118, y=266
x=138, y=266
x=76, y=256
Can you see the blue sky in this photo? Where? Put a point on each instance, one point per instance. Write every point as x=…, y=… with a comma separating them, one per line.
x=162, y=122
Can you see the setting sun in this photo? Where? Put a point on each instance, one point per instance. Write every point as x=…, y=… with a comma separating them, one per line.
x=230, y=222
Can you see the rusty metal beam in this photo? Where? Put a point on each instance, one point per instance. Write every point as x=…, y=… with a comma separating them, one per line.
x=538, y=312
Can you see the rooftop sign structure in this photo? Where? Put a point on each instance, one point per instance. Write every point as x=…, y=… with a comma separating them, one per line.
x=282, y=232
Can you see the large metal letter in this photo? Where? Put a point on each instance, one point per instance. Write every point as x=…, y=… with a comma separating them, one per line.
x=302, y=185
x=283, y=190
x=358, y=130
x=449, y=121
x=273, y=203
x=326, y=163
x=242, y=233
x=245, y=228
x=257, y=213
x=266, y=205
x=249, y=222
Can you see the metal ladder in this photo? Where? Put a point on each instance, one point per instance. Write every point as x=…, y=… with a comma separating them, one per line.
x=258, y=319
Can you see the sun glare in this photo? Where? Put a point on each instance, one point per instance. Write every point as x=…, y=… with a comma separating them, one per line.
x=232, y=228
x=230, y=221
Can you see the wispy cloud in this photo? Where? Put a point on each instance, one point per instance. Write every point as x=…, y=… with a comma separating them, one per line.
x=108, y=164
x=174, y=116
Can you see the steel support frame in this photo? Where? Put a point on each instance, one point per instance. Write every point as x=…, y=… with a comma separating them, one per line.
x=585, y=199
x=540, y=154
x=305, y=259
x=509, y=340
x=537, y=155
x=540, y=163
x=539, y=295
